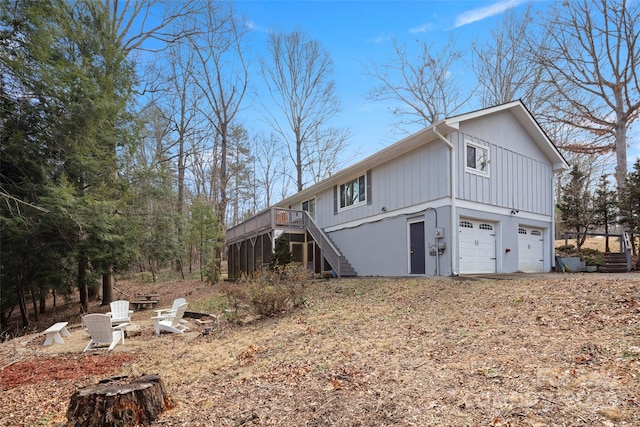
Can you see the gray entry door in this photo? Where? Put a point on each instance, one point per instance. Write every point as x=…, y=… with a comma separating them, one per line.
x=416, y=248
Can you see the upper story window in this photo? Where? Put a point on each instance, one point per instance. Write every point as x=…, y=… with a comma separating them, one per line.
x=477, y=158
x=310, y=206
x=353, y=193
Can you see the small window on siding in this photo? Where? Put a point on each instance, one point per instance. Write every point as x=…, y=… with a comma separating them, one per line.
x=353, y=193
x=477, y=158
x=310, y=206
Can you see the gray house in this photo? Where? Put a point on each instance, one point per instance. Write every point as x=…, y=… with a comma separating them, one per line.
x=470, y=194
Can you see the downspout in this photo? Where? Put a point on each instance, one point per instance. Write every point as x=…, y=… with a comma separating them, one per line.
x=452, y=180
x=552, y=231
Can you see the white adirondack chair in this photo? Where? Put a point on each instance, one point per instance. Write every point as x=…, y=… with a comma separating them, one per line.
x=171, y=323
x=101, y=332
x=120, y=312
x=166, y=312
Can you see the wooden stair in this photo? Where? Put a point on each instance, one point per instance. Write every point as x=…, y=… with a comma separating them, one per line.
x=614, y=263
x=346, y=270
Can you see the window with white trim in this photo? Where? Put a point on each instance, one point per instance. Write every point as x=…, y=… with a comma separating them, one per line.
x=477, y=158
x=310, y=206
x=353, y=193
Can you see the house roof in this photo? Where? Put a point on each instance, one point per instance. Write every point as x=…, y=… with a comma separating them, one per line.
x=430, y=134
x=528, y=122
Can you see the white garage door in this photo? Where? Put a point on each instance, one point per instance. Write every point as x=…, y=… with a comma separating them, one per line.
x=530, y=250
x=477, y=246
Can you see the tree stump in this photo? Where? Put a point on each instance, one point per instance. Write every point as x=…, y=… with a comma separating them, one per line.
x=119, y=402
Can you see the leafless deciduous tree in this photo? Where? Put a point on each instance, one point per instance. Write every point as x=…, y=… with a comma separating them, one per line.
x=241, y=183
x=423, y=84
x=504, y=67
x=222, y=75
x=298, y=75
x=135, y=23
x=181, y=98
x=593, y=61
x=268, y=158
x=323, y=152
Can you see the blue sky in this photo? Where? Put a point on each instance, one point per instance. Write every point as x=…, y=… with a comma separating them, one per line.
x=358, y=32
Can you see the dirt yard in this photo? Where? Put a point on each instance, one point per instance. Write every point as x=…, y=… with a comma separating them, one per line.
x=522, y=350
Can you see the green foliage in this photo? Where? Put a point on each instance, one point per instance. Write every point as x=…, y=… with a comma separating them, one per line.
x=64, y=117
x=630, y=200
x=282, y=255
x=604, y=204
x=576, y=205
x=588, y=255
x=203, y=233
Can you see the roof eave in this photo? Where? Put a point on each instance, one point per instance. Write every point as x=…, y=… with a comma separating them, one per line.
x=411, y=142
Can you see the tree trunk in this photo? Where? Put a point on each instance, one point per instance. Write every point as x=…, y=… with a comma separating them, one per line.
x=82, y=282
x=107, y=286
x=621, y=149
x=42, y=296
x=119, y=402
x=24, y=311
x=34, y=302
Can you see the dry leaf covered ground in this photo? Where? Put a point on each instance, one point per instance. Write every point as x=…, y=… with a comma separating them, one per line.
x=517, y=350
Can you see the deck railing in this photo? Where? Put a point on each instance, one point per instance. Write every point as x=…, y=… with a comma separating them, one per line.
x=264, y=221
x=279, y=219
x=627, y=249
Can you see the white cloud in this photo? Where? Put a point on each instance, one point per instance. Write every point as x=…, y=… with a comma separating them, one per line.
x=382, y=38
x=481, y=13
x=252, y=26
x=422, y=28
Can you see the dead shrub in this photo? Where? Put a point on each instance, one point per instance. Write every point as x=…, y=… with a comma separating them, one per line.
x=237, y=300
x=276, y=290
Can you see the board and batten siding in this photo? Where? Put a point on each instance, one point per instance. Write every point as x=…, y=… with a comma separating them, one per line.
x=515, y=181
x=410, y=179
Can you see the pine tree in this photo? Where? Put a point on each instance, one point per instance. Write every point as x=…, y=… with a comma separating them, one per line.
x=605, y=207
x=629, y=203
x=576, y=206
x=282, y=255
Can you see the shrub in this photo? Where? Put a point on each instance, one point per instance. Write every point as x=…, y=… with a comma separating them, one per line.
x=589, y=256
x=282, y=255
x=237, y=299
x=276, y=290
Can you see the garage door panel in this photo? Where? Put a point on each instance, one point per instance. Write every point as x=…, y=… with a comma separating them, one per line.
x=530, y=250
x=477, y=247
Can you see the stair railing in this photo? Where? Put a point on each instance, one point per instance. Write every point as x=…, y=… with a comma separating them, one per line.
x=627, y=249
x=329, y=251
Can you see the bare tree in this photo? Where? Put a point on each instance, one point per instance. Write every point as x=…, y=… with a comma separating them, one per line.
x=182, y=98
x=135, y=24
x=240, y=175
x=505, y=69
x=424, y=85
x=222, y=76
x=323, y=153
x=268, y=158
x=593, y=61
x=298, y=74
